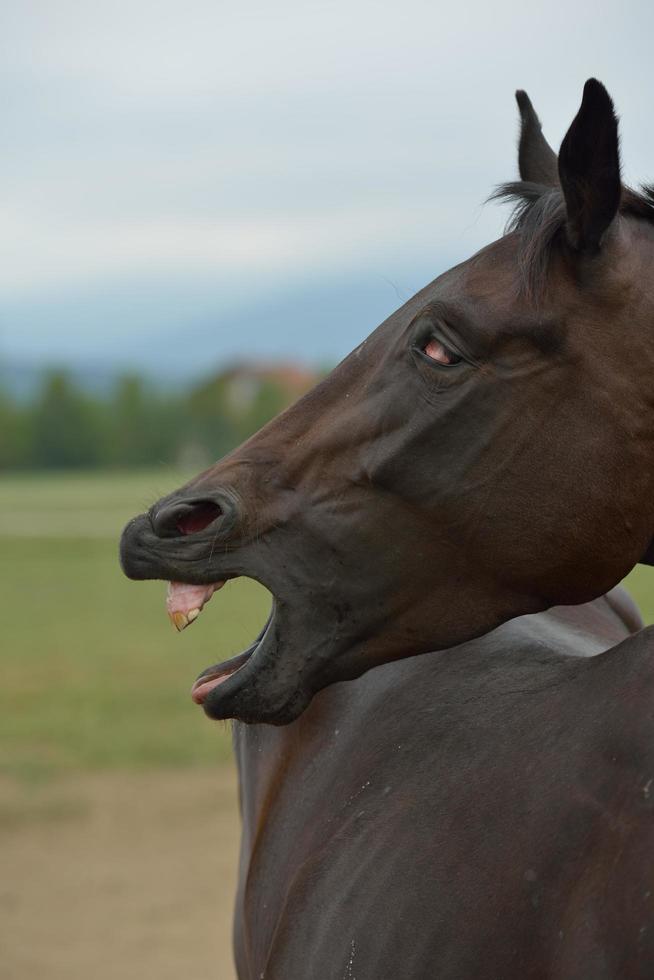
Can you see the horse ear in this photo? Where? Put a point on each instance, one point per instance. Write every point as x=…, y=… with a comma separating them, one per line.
x=589, y=168
x=536, y=158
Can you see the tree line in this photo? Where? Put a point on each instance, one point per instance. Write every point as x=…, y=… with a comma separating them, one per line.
x=135, y=424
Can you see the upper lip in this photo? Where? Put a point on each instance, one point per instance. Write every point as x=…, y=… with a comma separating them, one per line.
x=198, y=559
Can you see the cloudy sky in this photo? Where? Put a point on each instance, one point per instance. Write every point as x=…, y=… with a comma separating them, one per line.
x=185, y=182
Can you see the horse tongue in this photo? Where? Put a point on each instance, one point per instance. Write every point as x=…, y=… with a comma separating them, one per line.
x=184, y=602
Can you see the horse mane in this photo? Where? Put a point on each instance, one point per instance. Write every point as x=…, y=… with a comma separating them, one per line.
x=538, y=216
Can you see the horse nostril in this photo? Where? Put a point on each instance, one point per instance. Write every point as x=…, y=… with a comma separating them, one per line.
x=202, y=515
x=187, y=517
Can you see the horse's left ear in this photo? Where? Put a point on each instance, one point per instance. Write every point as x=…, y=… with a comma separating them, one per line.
x=589, y=169
x=536, y=158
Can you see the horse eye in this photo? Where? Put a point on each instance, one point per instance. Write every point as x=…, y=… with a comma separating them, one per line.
x=440, y=353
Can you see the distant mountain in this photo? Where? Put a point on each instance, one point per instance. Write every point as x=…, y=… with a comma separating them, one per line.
x=20, y=380
x=318, y=323
x=182, y=329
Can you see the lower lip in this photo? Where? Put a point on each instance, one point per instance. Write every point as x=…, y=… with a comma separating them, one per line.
x=207, y=683
x=201, y=688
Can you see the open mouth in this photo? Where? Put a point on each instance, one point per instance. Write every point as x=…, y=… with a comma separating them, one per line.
x=259, y=685
x=184, y=603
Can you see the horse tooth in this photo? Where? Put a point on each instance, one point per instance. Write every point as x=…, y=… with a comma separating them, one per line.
x=179, y=620
x=194, y=613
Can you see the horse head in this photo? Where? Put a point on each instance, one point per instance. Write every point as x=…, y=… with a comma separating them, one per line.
x=485, y=453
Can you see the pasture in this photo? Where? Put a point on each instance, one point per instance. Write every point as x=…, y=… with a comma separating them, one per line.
x=118, y=815
x=94, y=676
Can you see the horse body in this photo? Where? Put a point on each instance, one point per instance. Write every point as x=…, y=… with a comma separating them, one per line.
x=487, y=812
x=486, y=453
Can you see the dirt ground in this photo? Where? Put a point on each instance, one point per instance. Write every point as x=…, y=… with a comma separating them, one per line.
x=118, y=876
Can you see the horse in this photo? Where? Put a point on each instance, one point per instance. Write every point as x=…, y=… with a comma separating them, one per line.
x=456, y=815
x=484, y=455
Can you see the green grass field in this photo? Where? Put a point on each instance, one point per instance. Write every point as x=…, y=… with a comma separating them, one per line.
x=93, y=675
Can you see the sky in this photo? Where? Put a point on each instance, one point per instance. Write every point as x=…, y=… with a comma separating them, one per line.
x=185, y=184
